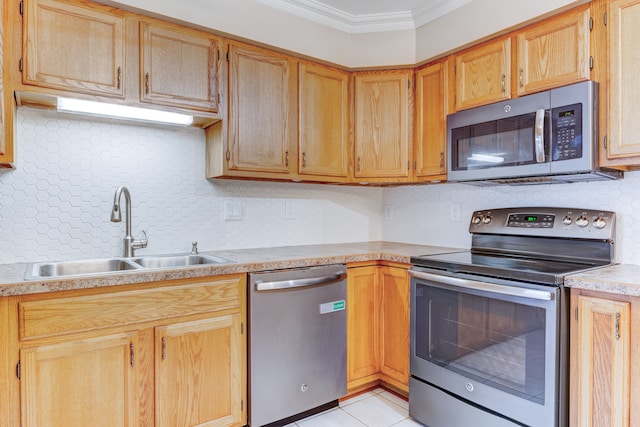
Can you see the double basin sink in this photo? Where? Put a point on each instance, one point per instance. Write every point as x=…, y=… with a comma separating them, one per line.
x=48, y=270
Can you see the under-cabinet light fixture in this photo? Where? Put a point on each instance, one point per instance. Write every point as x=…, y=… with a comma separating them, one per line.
x=122, y=111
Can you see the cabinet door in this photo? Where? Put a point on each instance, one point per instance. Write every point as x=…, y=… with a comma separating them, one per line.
x=431, y=121
x=80, y=383
x=482, y=74
x=601, y=364
x=394, y=325
x=178, y=68
x=624, y=62
x=363, y=305
x=262, y=109
x=324, y=132
x=6, y=99
x=554, y=53
x=199, y=373
x=73, y=48
x=383, y=102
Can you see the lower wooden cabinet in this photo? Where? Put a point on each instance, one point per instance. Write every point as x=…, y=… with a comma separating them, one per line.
x=377, y=326
x=168, y=355
x=604, y=382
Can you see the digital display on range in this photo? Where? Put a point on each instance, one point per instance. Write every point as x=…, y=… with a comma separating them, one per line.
x=531, y=220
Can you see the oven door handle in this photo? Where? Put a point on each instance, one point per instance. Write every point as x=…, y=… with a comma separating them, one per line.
x=515, y=291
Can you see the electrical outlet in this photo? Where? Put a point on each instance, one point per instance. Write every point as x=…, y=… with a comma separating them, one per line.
x=232, y=211
x=289, y=210
x=454, y=212
x=388, y=212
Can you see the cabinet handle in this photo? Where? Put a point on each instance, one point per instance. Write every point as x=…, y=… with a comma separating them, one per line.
x=358, y=164
x=521, y=83
x=617, y=326
x=119, y=78
x=304, y=160
x=286, y=158
x=502, y=83
x=132, y=357
x=164, y=348
x=441, y=159
x=146, y=84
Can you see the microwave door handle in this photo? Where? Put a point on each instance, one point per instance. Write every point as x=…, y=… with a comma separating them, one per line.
x=539, y=136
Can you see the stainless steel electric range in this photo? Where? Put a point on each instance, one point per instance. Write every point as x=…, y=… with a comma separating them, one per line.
x=489, y=326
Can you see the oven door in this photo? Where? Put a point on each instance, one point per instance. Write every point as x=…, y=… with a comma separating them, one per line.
x=496, y=345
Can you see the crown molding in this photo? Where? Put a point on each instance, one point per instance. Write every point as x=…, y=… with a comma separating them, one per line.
x=321, y=13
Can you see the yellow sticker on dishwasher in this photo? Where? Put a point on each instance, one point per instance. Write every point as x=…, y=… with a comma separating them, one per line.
x=330, y=307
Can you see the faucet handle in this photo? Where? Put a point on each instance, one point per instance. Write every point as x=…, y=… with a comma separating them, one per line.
x=141, y=243
x=194, y=248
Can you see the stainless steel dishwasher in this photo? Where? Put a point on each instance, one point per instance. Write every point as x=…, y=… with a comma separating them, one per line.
x=297, y=343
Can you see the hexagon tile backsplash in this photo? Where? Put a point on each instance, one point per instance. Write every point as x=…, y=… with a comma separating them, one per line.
x=57, y=204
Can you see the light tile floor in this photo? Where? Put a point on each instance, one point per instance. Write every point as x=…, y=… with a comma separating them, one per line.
x=376, y=408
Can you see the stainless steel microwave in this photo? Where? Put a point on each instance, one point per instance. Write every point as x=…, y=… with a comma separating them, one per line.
x=540, y=138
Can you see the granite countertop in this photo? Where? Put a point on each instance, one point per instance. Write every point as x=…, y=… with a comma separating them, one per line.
x=623, y=279
x=12, y=276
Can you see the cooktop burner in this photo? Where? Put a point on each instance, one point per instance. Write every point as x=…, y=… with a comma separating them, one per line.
x=533, y=244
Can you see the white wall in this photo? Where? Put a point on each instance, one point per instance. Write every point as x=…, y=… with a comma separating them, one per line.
x=57, y=204
x=421, y=214
x=253, y=20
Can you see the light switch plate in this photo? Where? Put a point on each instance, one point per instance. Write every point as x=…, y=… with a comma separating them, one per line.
x=232, y=211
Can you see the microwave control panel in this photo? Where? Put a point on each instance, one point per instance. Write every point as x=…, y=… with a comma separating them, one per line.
x=566, y=132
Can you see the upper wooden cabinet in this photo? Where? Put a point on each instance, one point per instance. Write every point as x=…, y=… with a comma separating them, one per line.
x=7, y=102
x=77, y=47
x=554, y=52
x=483, y=74
x=262, y=112
x=617, y=60
x=323, y=124
x=431, y=122
x=179, y=67
x=548, y=54
x=383, y=125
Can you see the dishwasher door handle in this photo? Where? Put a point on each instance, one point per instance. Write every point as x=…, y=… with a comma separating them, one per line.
x=300, y=283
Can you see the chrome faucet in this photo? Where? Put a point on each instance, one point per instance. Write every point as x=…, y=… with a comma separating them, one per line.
x=130, y=244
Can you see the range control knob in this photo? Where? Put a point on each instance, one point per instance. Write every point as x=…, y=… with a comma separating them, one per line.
x=486, y=219
x=477, y=219
x=567, y=220
x=582, y=221
x=599, y=223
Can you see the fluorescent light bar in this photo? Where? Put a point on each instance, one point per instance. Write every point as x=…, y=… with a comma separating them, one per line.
x=486, y=158
x=123, y=111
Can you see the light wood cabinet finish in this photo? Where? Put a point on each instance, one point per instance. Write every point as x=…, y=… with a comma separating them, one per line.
x=431, y=122
x=377, y=326
x=363, y=320
x=77, y=47
x=394, y=326
x=179, y=67
x=323, y=123
x=81, y=383
x=7, y=103
x=163, y=354
x=483, y=74
x=197, y=367
x=383, y=124
x=623, y=138
x=602, y=386
x=553, y=53
x=262, y=109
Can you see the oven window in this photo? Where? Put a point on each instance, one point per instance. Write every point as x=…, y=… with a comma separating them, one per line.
x=492, y=341
x=497, y=143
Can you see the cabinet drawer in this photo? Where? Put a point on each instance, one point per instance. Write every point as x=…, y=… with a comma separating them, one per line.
x=84, y=313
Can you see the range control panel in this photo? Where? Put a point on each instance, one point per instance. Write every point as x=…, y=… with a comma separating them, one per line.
x=547, y=222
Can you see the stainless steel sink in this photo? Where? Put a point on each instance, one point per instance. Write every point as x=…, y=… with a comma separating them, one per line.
x=79, y=267
x=180, y=260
